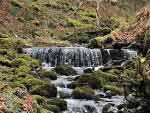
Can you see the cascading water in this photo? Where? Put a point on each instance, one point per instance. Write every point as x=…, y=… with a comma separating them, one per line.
x=79, y=56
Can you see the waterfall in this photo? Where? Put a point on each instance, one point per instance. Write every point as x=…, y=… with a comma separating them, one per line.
x=79, y=56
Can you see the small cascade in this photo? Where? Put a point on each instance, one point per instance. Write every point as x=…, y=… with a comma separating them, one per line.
x=80, y=56
x=90, y=106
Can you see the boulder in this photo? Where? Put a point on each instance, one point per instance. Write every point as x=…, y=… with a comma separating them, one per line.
x=83, y=93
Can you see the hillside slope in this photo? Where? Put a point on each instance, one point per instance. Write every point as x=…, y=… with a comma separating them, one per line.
x=62, y=22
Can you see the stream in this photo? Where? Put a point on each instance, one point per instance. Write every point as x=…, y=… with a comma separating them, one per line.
x=81, y=58
x=82, y=105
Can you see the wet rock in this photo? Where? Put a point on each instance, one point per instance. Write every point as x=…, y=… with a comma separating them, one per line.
x=108, y=94
x=107, y=108
x=88, y=70
x=121, y=106
x=46, y=90
x=65, y=70
x=64, y=95
x=83, y=93
x=48, y=74
x=90, y=80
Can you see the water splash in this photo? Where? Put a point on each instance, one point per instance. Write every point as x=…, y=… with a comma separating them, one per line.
x=79, y=56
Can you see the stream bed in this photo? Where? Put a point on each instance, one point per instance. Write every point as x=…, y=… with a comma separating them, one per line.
x=83, y=105
x=81, y=58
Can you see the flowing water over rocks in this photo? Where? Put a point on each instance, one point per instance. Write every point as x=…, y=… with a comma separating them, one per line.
x=81, y=58
x=82, y=105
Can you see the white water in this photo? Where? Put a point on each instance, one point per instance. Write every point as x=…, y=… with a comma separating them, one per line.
x=83, y=106
x=81, y=58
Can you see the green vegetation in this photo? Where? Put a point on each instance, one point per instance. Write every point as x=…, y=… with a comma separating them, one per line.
x=45, y=23
x=65, y=70
x=49, y=74
x=83, y=93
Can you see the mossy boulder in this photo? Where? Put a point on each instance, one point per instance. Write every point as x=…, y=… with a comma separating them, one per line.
x=39, y=99
x=106, y=76
x=41, y=109
x=22, y=70
x=62, y=104
x=83, y=93
x=65, y=70
x=19, y=62
x=48, y=74
x=35, y=63
x=5, y=62
x=46, y=89
x=115, y=90
x=90, y=80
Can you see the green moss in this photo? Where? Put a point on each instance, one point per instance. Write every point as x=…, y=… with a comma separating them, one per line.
x=41, y=109
x=5, y=62
x=91, y=14
x=83, y=93
x=65, y=70
x=90, y=80
x=114, y=89
x=53, y=108
x=35, y=63
x=49, y=74
x=29, y=81
x=39, y=99
x=19, y=62
x=74, y=23
x=3, y=51
x=22, y=70
x=59, y=103
x=107, y=77
x=46, y=89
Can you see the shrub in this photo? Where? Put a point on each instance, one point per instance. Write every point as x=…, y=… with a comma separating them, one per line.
x=83, y=93
x=65, y=70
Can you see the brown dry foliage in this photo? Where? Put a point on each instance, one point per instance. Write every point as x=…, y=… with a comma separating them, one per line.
x=139, y=27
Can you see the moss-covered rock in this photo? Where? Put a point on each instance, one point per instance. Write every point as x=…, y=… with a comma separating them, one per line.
x=46, y=89
x=5, y=62
x=19, y=62
x=90, y=80
x=114, y=89
x=83, y=93
x=65, y=70
x=49, y=74
x=22, y=70
x=107, y=77
x=35, y=63
x=59, y=103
